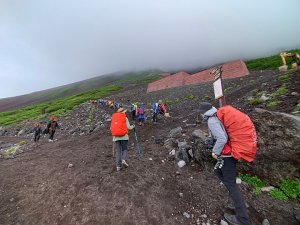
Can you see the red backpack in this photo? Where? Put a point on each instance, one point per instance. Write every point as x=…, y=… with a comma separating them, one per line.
x=118, y=125
x=241, y=133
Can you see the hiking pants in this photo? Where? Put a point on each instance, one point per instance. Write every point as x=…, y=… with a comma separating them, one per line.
x=133, y=114
x=51, y=134
x=227, y=174
x=121, y=151
x=36, y=137
x=154, y=118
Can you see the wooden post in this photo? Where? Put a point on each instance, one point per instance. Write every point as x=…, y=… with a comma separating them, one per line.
x=217, y=73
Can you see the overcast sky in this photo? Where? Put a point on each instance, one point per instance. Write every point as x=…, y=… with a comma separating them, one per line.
x=48, y=43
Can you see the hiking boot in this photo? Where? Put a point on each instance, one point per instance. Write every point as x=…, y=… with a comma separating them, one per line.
x=231, y=205
x=125, y=163
x=119, y=168
x=231, y=219
x=50, y=140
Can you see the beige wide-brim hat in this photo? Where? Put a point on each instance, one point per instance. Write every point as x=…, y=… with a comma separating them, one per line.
x=122, y=110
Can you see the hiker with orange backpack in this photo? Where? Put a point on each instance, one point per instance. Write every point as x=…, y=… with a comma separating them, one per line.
x=51, y=128
x=119, y=129
x=234, y=138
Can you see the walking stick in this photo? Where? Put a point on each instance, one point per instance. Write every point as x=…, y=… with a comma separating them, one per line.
x=138, y=147
x=113, y=149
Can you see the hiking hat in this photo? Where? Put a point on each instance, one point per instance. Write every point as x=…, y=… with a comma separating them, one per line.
x=204, y=107
x=53, y=118
x=122, y=110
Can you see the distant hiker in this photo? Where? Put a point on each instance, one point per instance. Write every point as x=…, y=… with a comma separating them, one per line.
x=133, y=110
x=140, y=112
x=155, y=112
x=51, y=128
x=235, y=137
x=161, y=107
x=119, y=129
x=37, y=130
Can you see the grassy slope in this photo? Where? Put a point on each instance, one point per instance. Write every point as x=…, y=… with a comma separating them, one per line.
x=62, y=105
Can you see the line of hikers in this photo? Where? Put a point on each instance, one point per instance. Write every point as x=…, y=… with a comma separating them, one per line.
x=138, y=111
x=233, y=136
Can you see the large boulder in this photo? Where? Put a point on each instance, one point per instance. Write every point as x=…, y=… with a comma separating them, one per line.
x=201, y=154
x=278, y=152
x=176, y=132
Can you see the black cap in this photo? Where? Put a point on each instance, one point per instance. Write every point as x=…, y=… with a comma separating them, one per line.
x=204, y=107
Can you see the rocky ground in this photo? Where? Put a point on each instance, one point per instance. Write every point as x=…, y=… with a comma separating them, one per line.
x=73, y=180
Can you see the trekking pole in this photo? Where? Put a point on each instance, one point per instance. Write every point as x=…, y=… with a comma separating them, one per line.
x=138, y=147
x=113, y=149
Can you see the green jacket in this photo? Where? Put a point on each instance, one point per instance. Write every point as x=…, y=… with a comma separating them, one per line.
x=125, y=137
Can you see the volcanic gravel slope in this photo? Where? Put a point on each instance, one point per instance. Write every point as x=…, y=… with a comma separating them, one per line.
x=73, y=180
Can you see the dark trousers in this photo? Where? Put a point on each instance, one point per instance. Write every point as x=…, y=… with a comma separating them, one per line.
x=121, y=151
x=51, y=134
x=133, y=114
x=36, y=137
x=227, y=174
x=154, y=118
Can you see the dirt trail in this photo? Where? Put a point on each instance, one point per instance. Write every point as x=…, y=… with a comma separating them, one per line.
x=37, y=187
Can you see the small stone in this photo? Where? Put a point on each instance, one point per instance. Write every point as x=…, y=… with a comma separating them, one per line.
x=204, y=216
x=266, y=222
x=267, y=189
x=181, y=194
x=238, y=180
x=181, y=163
x=70, y=165
x=187, y=215
x=223, y=222
x=150, y=159
x=295, y=93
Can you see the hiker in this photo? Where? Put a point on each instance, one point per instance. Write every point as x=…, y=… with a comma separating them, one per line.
x=119, y=129
x=225, y=168
x=155, y=112
x=161, y=107
x=37, y=130
x=140, y=112
x=51, y=128
x=133, y=111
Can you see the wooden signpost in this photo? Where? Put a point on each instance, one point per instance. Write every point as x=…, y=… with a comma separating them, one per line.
x=218, y=86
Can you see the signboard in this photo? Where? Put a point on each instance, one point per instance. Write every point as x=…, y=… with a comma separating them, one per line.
x=218, y=89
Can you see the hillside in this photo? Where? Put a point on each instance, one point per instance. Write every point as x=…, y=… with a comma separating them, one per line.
x=73, y=180
x=12, y=103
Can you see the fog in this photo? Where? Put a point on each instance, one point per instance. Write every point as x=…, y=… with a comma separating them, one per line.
x=49, y=43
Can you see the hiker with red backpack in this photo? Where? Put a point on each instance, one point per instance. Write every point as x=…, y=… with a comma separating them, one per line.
x=51, y=128
x=119, y=129
x=234, y=138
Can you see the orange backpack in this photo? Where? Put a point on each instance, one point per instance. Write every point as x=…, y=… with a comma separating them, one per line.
x=118, y=126
x=241, y=133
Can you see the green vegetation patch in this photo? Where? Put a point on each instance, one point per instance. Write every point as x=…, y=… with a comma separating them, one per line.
x=269, y=63
x=278, y=194
x=273, y=103
x=291, y=188
x=255, y=101
x=284, y=78
x=297, y=109
x=55, y=107
x=11, y=150
x=254, y=182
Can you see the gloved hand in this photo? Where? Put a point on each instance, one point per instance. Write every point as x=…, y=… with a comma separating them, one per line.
x=133, y=127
